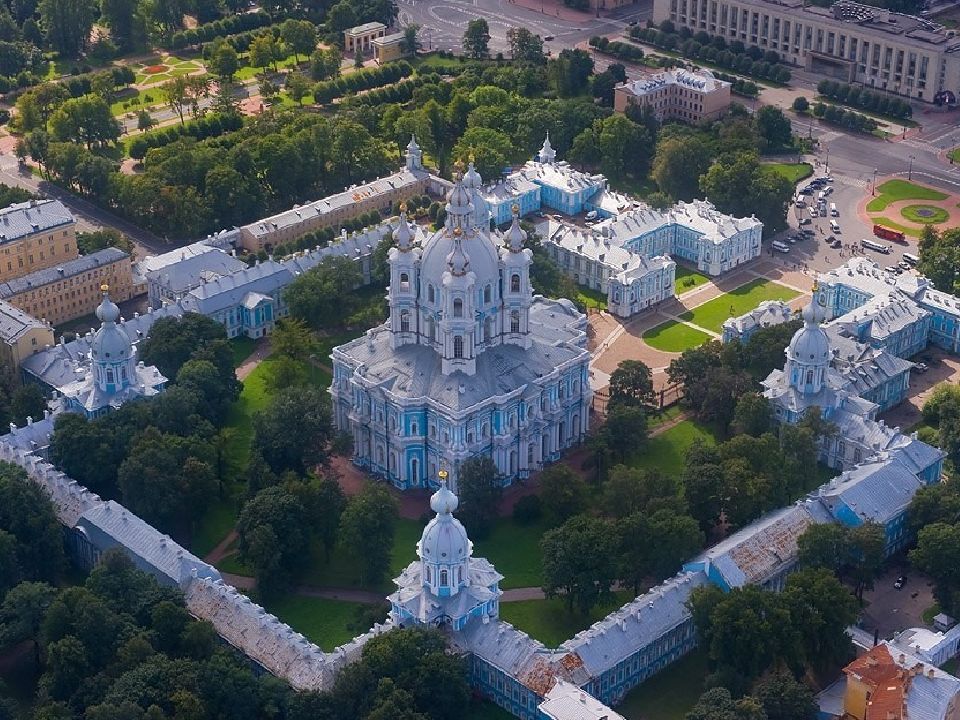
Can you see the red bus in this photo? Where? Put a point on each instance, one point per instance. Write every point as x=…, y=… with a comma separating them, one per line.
x=889, y=234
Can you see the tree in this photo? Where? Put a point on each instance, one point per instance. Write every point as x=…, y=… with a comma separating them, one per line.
x=263, y=50
x=67, y=24
x=739, y=185
x=624, y=147
x=358, y=57
x=868, y=544
x=570, y=72
x=167, y=15
x=563, y=492
x=27, y=401
x=292, y=338
x=33, y=533
x=525, y=46
x=223, y=61
x=939, y=253
x=479, y=488
x=625, y=430
x=366, y=528
x=85, y=119
x=821, y=609
x=36, y=105
x=274, y=537
x=638, y=490
x=824, y=545
x=298, y=86
x=91, y=242
x=603, y=87
x=293, y=431
x=145, y=120
x=631, y=384
x=773, y=128
x=718, y=704
x=119, y=15
x=678, y=165
x=938, y=555
x=322, y=296
x=578, y=561
x=22, y=612
x=476, y=39
x=801, y=104
x=341, y=17
x=174, y=341
x=491, y=150
x=205, y=382
x=300, y=36
x=103, y=85
x=783, y=698
x=411, y=39
x=752, y=415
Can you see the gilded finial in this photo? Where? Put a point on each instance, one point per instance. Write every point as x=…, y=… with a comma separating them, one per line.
x=515, y=209
x=403, y=207
x=457, y=232
x=443, y=477
x=472, y=157
x=104, y=288
x=458, y=166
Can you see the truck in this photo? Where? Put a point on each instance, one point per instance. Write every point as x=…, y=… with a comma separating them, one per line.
x=889, y=234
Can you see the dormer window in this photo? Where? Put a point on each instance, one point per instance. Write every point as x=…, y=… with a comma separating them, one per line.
x=514, y=283
x=458, y=308
x=404, y=281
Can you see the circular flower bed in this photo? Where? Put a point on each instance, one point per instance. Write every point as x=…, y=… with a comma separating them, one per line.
x=154, y=69
x=925, y=214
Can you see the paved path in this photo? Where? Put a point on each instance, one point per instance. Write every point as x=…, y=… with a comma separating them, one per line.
x=261, y=352
x=222, y=549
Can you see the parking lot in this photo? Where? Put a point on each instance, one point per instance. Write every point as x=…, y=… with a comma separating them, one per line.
x=889, y=610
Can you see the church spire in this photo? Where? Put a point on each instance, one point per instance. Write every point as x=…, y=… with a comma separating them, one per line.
x=515, y=235
x=547, y=154
x=403, y=235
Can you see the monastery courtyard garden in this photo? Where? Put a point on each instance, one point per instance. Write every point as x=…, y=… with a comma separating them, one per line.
x=703, y=322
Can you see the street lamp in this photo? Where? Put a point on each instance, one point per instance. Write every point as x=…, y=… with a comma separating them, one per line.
x=873, y=190
x=910, y=171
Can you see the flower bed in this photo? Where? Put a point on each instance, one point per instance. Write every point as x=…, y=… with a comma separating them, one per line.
x=154, y=69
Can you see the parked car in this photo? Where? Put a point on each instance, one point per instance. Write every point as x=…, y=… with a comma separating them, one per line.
x=921, y=367
x=805, y=221
x=901, y=581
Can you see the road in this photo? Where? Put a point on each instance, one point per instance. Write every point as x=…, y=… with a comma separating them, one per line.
x=443, y=22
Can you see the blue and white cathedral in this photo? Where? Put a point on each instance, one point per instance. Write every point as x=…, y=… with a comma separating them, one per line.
x=470, y=361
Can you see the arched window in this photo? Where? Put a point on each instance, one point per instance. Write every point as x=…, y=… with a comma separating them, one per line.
x=460, y=574
x=404, y=281
x=458, y=308
x=515, y=321
x=488, y=329
x=404, y=321
x=857, y=455
x=430, y=295
x=444, y=579
x=458, y=346
x=809, y=377
x=427, y=570
x=514, y=283
x=483, y=430
x=414, y=430
x=109, y=375
x=431, y=330
x=487, y=294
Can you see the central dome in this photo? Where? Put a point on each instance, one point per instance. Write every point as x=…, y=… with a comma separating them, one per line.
x=110, y=343
x=810, y=343
x=444, y=539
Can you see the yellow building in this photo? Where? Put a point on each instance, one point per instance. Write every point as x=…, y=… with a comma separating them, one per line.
x=72, y=290
x=22, y=336
x=361, y=37
x=691, y=97
x=35, y=235
x=388, y=47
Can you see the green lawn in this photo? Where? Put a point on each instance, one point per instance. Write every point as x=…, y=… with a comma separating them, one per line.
x=671, y=693
x=241, y=347
x=955, y=154
x=673, y=336
x=550, y=622
x=794, y=172
x=688, y=279
x=514, y=550
x=323, y=621
x=666, y=452
x=591, y=298
x=894, y=190
x=711, y=314
x=925, y=214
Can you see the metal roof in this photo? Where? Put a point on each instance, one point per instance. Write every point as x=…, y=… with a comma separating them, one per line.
x=69, y=269
x=14, y=322
x=22, y=219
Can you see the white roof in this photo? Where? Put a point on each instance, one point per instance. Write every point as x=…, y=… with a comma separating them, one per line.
x=594, y=246
x=568, y=702
x=703, y=81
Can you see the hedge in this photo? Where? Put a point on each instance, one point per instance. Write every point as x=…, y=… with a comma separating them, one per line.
x=865, y=99
x=76, y=85
x=739, y=86
x=204, y=127
x=619, y=50
x=327, y=90
x=844, y=118
x=747, y=61
x=219, y=28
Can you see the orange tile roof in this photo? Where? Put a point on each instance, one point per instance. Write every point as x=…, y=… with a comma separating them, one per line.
x=889, y=683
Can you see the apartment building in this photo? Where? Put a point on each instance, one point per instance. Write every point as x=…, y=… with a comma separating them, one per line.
x=35, y=235
x=20, y=337
x=898, y=53
x=72, y=290
x=691, y=97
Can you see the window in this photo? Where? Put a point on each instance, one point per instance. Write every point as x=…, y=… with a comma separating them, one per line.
x=443, y=577
x=458, y=308
x=514, y=283
x=109, y=376
x=458, y=346
x=460, y=574
x=428, y=572
x=431, y=331
x=404, y=321
x=414, y=428
x=809, y=377
x=404, y=281
x=487, y=294
x=488, y=329
x=515, y=321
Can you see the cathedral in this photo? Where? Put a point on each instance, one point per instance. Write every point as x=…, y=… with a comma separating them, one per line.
x=470, y=361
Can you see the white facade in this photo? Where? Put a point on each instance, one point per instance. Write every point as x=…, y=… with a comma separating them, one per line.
x=469, y=363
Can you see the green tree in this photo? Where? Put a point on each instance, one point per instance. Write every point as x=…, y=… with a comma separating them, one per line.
x=274, y=537
x=825, y=545
x=223, y=61
x=821, y=609
x=525, y=46
x=578, y=562
x=366, y=528
x=479, y=487
x=868, y=544
x=739, y=185
x=625, y=147
x=119, y=16
x=801, y=104
x=37, y=104
x=939, y=253
x=300, y=36
x=22, y=612
x=85, y=119
x=752, y=415
x=639, y=490
x=938, y=555
x=773, y=127
x=411, y=39
x=298, y=86
x=570, y=72
x=476, y=39
x=491, y=150
x=292, y=338
x=145, y=120
x=631, y=384
x=678, y=164
x=27, y=517
x=263, y=50
x=66, y=666
x=563, y=492
x=718, y=704
x=27, y=401
x=174, y=341
x=294, y=429
x=205, y=382
x=625, y=431
x=67, y=24
x=91, y=242
x=322, y=297
x=783, y=698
